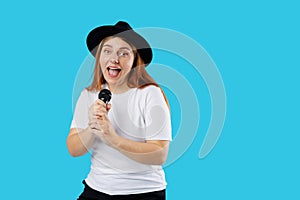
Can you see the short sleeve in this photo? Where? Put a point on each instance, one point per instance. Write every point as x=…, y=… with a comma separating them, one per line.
x=157, y=115
x=80, y=117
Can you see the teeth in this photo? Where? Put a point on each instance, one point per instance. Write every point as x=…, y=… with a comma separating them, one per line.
x=113, y=68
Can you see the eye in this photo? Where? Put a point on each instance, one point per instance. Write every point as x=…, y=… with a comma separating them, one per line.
x=123, y=53
x=107, y=51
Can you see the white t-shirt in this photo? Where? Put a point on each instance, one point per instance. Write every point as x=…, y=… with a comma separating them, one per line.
x=139, y=115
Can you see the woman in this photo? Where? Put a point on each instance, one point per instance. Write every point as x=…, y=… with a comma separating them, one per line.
x=129, y=138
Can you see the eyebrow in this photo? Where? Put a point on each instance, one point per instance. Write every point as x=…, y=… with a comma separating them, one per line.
x=107, y=45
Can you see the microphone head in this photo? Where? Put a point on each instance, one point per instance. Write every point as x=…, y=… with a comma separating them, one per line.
x=104, y=95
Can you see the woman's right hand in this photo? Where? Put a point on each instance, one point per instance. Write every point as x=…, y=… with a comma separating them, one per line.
x=79, y=141
x=96, y=110
x=93, y=112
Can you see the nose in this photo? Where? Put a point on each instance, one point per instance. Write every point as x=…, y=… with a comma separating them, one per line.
x=114, y=58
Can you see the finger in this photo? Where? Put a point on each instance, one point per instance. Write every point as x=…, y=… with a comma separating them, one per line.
x=97, y=105
x=93, y=121
x=96, y=108
x=104, y=118
x=101, y=112
x=94, y=125
x=100, y=103
x=95, y=116
x=102, y=109
x=108, y=107
x=99, y=116
x=99, y=133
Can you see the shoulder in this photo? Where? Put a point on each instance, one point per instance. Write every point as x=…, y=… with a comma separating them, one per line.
x=87, y=95
x=86, y=92
x=153, y=94
x=150, y=90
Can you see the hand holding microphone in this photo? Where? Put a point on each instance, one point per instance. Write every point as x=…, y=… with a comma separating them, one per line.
x=100, y=124
x=98, y=108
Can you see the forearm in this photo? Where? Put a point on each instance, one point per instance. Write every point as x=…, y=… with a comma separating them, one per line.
x=148, y=152
x=79, y=141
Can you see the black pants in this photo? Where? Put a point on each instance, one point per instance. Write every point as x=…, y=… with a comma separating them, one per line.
x=91, y=194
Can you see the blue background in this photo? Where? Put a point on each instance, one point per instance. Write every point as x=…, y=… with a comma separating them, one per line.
x=255, y=45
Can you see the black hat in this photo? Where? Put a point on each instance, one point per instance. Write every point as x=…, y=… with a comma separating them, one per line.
x=122, y=30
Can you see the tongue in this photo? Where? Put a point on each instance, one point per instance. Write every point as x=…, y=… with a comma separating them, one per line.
x=113, y=72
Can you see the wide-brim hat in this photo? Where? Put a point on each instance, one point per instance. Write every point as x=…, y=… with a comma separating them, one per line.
x=124, y=31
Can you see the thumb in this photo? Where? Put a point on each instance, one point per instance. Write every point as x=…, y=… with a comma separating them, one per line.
x=108, y=106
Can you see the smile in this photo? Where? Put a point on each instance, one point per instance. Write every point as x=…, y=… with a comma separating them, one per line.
x=113, y=72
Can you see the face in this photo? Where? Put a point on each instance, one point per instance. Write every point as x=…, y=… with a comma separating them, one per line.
x=116, y=60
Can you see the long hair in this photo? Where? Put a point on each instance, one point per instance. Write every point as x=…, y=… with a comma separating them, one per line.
x=138, y=76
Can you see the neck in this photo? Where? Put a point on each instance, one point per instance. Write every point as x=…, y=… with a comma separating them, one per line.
x=118, y=89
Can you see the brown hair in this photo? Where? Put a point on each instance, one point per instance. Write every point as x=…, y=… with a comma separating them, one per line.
x=138, y=76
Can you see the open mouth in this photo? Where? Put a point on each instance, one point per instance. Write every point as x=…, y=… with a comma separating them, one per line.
x=113, y=72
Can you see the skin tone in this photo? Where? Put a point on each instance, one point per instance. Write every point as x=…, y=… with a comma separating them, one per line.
x=116, y=60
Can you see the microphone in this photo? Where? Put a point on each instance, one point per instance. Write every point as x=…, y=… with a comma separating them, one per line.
x=104, y=95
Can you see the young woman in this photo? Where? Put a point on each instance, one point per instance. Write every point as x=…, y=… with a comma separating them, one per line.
x=129, y=137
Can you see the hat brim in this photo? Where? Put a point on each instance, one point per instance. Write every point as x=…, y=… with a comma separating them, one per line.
x=98, y=34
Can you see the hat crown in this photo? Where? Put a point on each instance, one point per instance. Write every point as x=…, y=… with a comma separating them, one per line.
x=123, y=25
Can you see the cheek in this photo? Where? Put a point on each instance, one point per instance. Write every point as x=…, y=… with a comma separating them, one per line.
x=103, y=62
x=103, y=59
x=128, y=64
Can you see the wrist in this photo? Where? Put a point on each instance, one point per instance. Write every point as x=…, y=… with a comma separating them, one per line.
x=117, y=142
x=89, y=132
